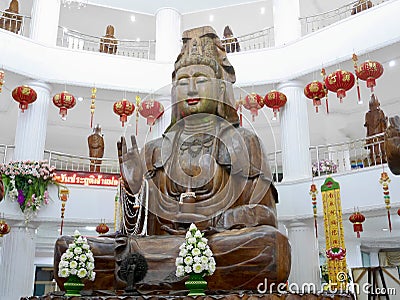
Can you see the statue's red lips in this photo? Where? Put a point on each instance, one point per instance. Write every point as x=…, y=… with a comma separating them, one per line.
x=193, y=101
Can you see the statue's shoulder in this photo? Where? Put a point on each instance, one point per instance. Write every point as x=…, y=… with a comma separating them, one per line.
x=242, y=150
x=156, y=152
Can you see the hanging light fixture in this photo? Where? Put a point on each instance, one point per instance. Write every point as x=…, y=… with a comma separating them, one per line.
x=75, y=3
x=275, y=100
x=253, y=102
x=24, y=95
x=357, y=219
x=64, y=101
x=315, y=91
x=123, y=108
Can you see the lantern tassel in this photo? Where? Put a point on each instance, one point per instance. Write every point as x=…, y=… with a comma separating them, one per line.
x=389, y=220
x=326, y=102
x=316, y=227
x=62, y=225
x=241, y=115
x=91, y=121
x=358, y=234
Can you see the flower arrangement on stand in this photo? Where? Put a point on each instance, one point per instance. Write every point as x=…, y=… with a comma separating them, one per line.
x=196, y=260
x=76, y=264
x=27, y=182
x=324, y=166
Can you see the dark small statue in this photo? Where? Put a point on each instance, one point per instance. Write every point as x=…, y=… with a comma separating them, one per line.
x=229, y=41
x=392, y=144
x=108, y=43
x=133, y=269
x=375, y=122
x=11, y=20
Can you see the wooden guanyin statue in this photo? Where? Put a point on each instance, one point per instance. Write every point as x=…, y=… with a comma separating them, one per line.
x=108, y=43
x=392, y=144
x=206, y=170
x=375, y=122
x=96, y=148
x=230, y=43
x=10, y=20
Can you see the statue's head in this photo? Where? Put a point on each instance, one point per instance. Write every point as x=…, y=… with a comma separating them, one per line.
x=110, y=30
x=203, y=77
x=14, y=6
x=227, y=32
x=373, y=102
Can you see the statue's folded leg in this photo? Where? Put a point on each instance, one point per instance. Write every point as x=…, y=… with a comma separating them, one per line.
x=244, y=257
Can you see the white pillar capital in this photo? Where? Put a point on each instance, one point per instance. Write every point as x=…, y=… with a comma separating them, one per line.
x=168, y=34
x=44, y=23
x=295, y=136
x=30, y=135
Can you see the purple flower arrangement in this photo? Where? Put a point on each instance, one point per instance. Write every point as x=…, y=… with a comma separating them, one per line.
x=26, y=182
x=324, y=166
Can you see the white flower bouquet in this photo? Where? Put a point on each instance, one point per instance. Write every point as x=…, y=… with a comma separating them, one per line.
x=77, y=260
x=324, y=166
x=195, y=256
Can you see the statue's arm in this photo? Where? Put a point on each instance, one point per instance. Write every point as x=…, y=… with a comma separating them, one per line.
x=130, y=164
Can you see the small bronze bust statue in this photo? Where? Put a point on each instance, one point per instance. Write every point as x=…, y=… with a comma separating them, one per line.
x=96, y=148
x=375, y=122
x=108, y=43
x=230, y=43
x=392, y=144
x=10, y=20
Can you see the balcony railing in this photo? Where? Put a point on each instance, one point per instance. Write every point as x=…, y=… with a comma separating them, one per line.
x=338, y=158
x=76, y=40
x=347, y=157
x=15, y=23
x=255, y=40
x=312, y=23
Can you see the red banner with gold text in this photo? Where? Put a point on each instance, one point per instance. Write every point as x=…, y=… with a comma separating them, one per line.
x=87, y=178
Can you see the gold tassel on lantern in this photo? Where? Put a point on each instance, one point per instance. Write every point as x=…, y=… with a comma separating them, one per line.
x=313, y=193
x=355, y=60
x=63, y=194
x=1, y=80
x=323, y=74
x=385, y=180
x=334, y=234
x=92, y=106
x=137, y=113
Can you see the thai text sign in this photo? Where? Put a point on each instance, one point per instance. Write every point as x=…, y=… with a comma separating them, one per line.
x=86, y=178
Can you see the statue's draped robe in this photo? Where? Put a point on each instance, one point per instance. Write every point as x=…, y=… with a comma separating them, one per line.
x=239, y=201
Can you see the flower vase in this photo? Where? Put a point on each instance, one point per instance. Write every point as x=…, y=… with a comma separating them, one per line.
x=196, y=285
x=73, y=286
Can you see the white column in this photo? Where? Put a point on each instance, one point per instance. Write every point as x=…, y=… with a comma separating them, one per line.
x=17, y=255
x=168, y=34
x=374, y=258
x=353, y=253
x=287, y=25
x=295, y=136
x=44, y=24
x=163, y=122
x=305, y=255
x=30, y=135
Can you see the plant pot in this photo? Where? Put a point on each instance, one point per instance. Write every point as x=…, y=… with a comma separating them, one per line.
x=73, y=286
x=196, y=285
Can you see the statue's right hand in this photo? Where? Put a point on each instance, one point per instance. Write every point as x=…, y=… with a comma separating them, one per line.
x=130, y=165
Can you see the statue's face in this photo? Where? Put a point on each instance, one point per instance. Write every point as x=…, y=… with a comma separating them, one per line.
x=197, y=90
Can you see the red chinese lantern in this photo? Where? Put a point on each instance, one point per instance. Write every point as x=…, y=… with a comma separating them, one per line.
x=4, y=228
x=253, y=102
x=24, y=95
x=357, y=219
x=123, y=108
x=369, y=71
x=315, y=90
x=102, y=228
x=64, y=101
x=340, y=81
x=398, y=212
x=275, y=100
x=151, y=110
